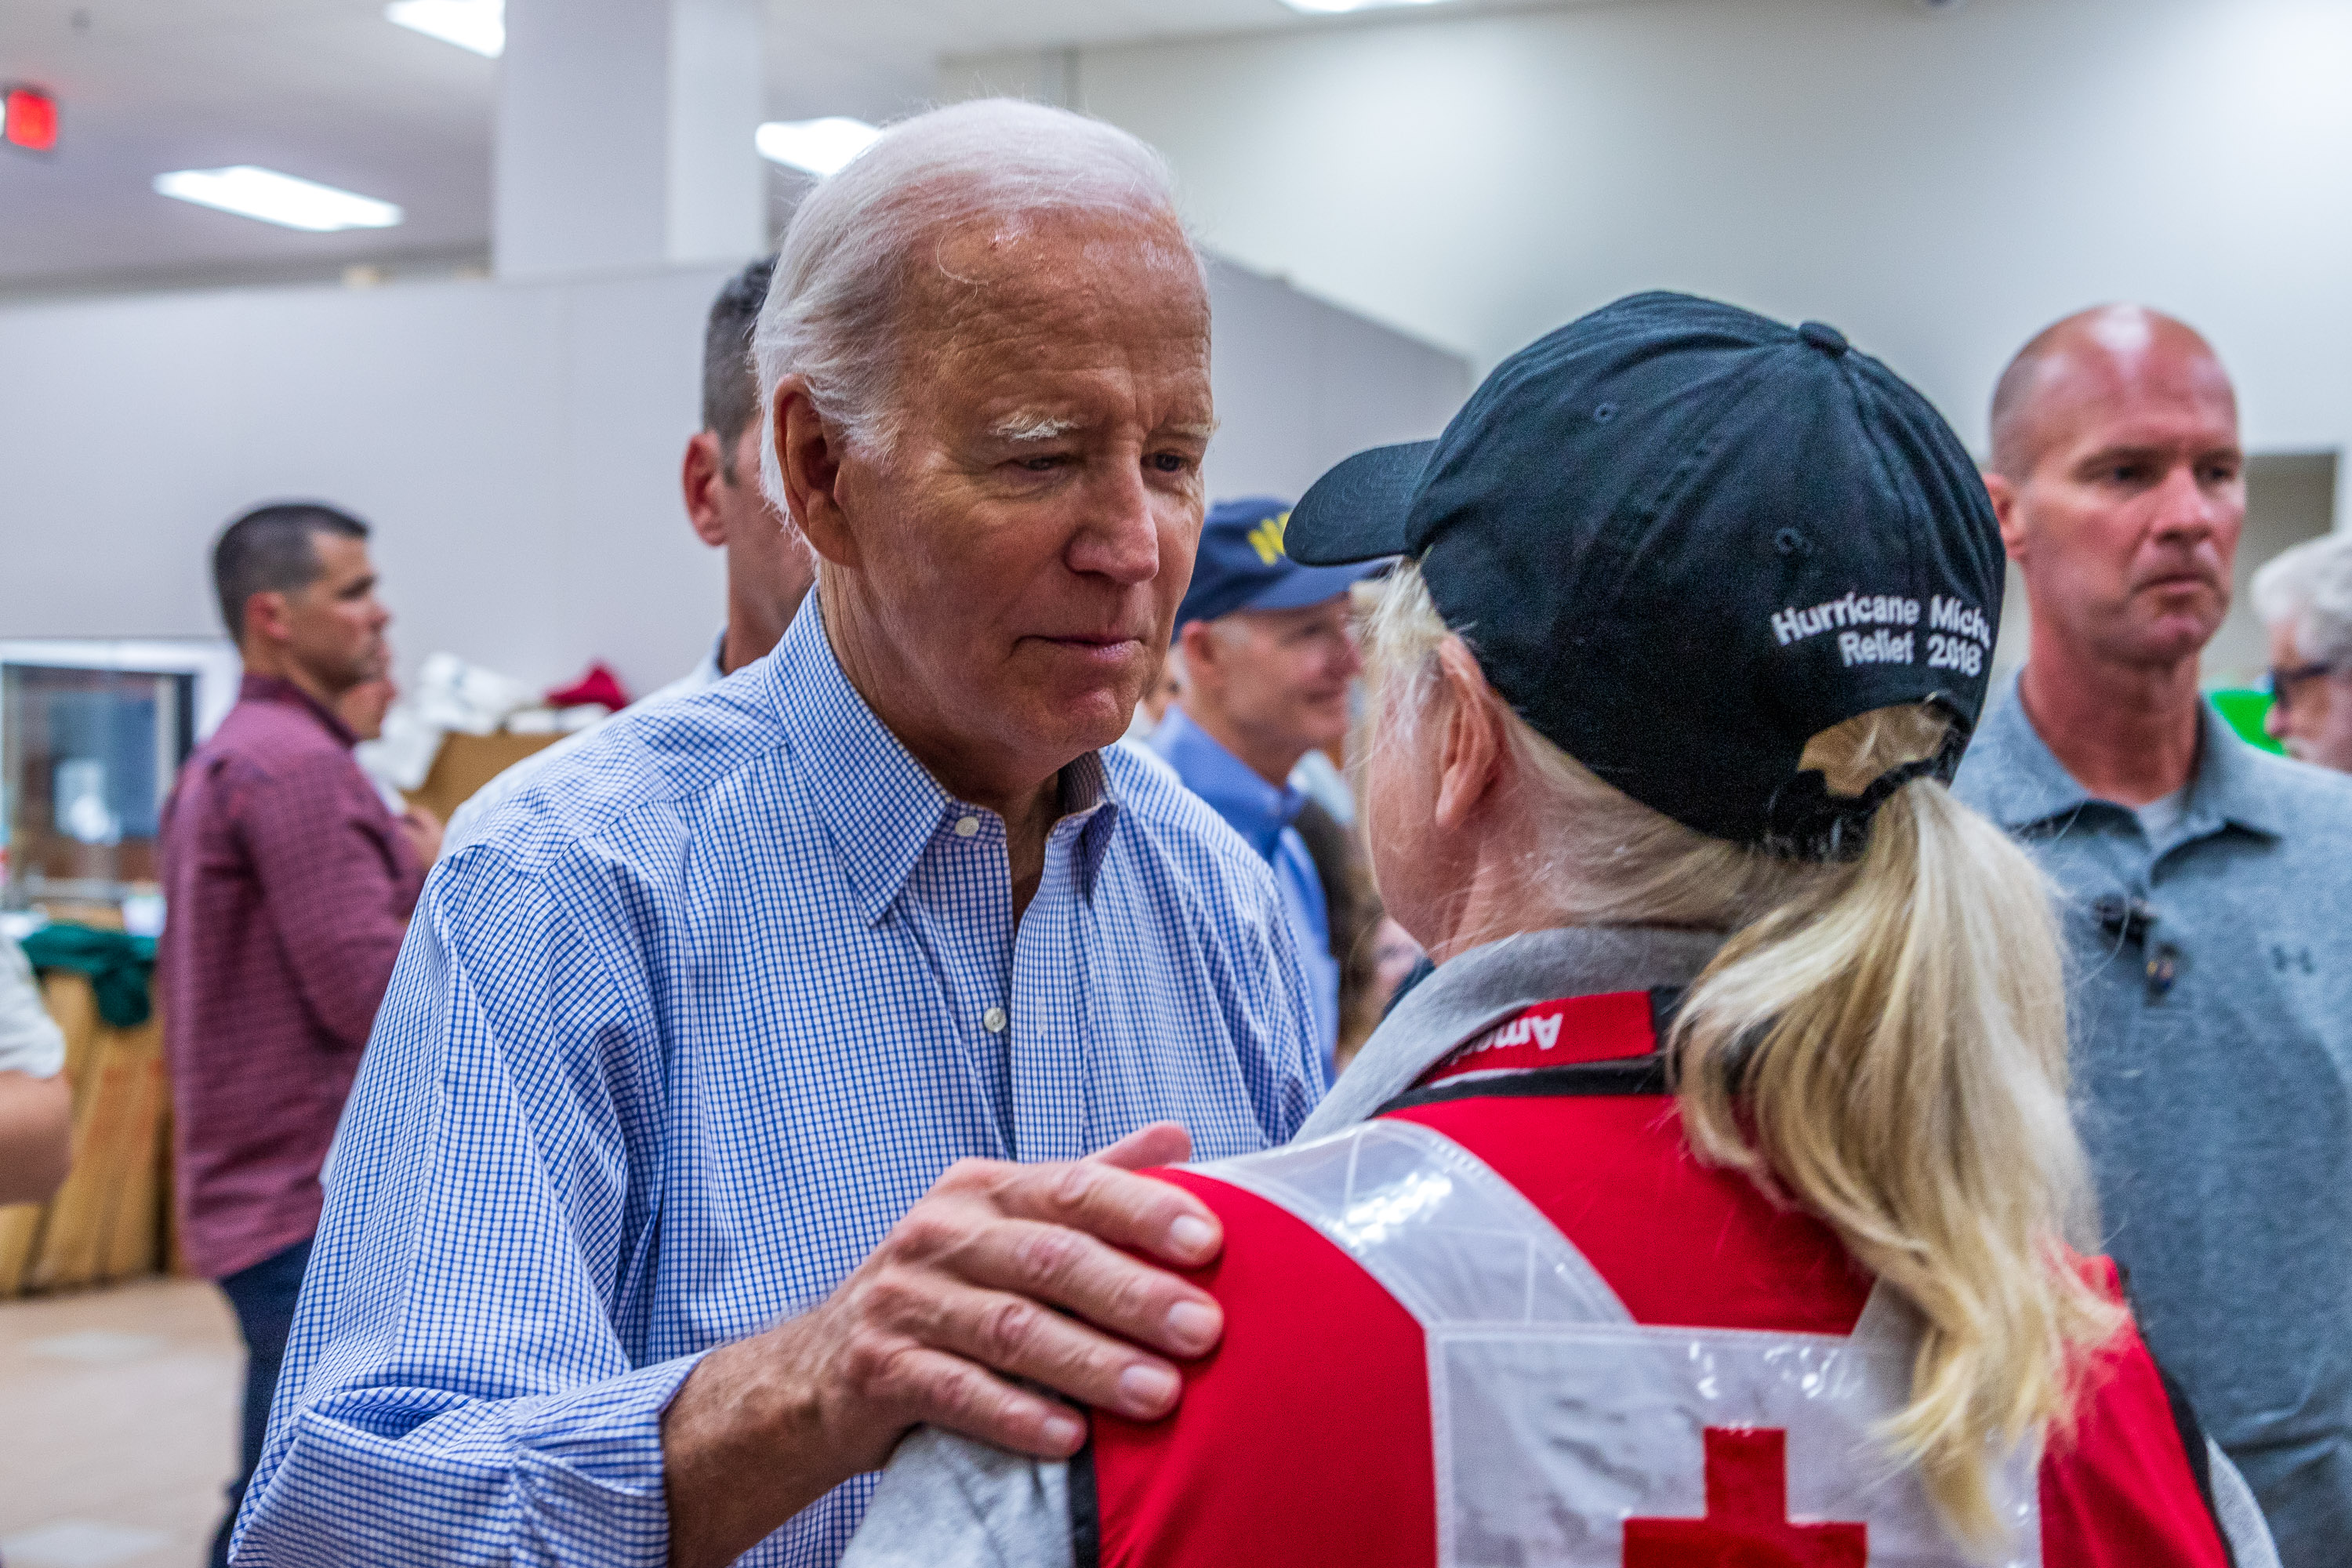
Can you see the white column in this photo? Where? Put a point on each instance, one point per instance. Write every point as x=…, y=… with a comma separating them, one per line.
x=624, y=135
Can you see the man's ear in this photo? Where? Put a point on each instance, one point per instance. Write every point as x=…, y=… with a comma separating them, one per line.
x=700, y=481
x=810, y=453
x=1197, y=642
x=2005, y=512
x=1472, y=741
x=268, y=618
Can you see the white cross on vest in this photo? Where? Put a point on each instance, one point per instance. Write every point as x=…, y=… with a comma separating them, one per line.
x=1567, y=1435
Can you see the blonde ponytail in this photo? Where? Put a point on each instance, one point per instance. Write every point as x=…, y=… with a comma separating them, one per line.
x=1881, y=1041
x=1888, y=1049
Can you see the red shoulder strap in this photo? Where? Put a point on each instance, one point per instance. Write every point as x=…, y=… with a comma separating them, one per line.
x=1612, y=1026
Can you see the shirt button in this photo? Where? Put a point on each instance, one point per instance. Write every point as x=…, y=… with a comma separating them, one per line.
x=993, y=1019
x=965, y=828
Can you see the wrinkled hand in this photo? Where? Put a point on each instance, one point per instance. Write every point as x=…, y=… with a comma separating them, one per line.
x=1000, y=1271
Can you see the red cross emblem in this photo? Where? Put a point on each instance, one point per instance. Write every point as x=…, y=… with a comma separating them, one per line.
x=1747, y=1523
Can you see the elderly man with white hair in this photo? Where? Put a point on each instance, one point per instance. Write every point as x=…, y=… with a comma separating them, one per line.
x=2304, y=597
x=731, y=1107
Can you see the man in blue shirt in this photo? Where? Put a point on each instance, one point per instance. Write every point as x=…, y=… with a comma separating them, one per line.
x=695, y=1156
x=1268, y=660
x=2204, y=886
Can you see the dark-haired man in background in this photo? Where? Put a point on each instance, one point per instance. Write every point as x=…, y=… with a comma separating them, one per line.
x=290, y=885
x=769, y=568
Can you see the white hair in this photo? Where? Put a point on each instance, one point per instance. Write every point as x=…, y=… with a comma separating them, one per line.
x=831, y=315
x=2309, y=588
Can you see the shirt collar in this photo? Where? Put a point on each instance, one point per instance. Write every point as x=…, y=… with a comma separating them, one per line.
x=2025, y=783
x=2232, y=785
x=1479, y=988
x=880, y=805
x=270, y=689
x=710, y=672
x=1254, y=808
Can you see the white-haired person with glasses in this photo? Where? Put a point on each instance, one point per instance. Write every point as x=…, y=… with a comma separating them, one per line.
x=2304, y=597
x=1710, y=1203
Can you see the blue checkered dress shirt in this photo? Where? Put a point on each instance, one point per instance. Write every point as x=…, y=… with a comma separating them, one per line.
x=670, y=1049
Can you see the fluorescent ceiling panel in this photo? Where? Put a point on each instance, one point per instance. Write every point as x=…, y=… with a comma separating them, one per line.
x=477, y=25
x=281, y=199
x=819, y=146
x=1330, y=7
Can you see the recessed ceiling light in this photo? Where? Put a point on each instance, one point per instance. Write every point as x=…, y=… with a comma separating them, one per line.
x=273, y=198
x=1331, y=7
x=819, y=146
x=477, y=25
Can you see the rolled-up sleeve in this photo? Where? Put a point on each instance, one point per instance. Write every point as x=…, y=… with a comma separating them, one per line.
x=460, y=1385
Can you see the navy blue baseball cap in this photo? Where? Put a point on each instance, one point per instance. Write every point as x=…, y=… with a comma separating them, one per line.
x=1682, y=540
x=1241, y=566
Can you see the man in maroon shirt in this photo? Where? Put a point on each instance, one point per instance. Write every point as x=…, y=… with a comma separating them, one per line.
x=290, y=885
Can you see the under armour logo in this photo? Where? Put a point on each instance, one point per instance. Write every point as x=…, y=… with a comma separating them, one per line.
x=2292, y=960
x=1747, y=1518
x=1266, y=537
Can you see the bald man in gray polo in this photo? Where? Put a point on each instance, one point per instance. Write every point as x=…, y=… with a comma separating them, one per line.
x=2206, y=894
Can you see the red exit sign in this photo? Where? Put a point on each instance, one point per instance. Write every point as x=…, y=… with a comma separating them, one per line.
x=28, y=118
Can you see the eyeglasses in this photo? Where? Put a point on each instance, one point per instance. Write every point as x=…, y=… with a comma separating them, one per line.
x=2284, y=679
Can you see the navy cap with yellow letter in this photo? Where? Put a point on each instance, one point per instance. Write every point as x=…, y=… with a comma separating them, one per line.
x=1241, y=565
x=1682, y=540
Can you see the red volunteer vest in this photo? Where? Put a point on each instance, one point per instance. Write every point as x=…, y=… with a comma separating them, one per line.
x=1306, y=1437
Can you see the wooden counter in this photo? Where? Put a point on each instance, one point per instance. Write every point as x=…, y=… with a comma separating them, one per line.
x=111, y=1218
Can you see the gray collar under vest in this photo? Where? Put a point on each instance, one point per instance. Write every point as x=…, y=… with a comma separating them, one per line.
x=1476, y=990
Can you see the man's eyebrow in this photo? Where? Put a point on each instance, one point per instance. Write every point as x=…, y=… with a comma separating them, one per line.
x=2159, y=451
x=2123, y=451
x=1023, y=428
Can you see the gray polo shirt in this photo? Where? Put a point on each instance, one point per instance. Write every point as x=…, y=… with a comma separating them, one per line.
x=2213, y=1064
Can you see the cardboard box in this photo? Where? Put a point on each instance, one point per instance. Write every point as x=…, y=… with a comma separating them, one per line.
x=465, y=763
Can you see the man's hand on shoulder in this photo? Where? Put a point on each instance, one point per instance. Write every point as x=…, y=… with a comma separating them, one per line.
x=1001, y=1271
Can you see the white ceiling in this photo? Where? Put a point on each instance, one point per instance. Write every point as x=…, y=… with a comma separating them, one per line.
x=324, y=88
x=330, y=90
x=817, y=52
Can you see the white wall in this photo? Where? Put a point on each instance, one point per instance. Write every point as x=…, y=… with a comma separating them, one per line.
x=1940, y=185
x=515, y=445
x=1300, y=385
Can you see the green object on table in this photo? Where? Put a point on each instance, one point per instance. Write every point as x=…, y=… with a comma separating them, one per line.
x=2245, y=711
x=119, y=966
